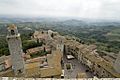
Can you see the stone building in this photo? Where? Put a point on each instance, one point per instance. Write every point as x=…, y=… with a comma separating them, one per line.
x=15, y=48
x=50, y=67
x=97, y=65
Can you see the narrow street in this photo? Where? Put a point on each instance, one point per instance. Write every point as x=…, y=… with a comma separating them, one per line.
x=76, y=68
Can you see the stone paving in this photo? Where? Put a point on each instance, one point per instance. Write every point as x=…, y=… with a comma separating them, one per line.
x=77, y=67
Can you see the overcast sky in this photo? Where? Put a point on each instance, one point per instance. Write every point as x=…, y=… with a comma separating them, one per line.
x=108, y=9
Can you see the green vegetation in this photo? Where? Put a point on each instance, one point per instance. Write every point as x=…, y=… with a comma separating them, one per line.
x=68, y=66
x=40, y=53
x=25, y=41
x=26, y=44
x=3, y=46
x=106, y=35
x=30, y=44
x=98, y=36
x=25, y=37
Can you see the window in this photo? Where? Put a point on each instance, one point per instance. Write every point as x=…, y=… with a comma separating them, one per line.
x=102, y=75
x=19, y=71
x=62, y=77
x=52, y=76
x=12, y=32
x=103, y=72
x=8, y=38
x=99, y=66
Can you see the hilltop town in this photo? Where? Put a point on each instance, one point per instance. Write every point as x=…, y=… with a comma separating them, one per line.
x=58, y=57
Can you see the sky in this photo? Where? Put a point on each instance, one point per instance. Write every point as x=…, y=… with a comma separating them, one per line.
x=93, y=9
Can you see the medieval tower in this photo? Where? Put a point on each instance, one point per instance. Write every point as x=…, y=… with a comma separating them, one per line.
x=15, y=48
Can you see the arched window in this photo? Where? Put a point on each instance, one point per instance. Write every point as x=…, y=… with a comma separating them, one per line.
x=12, y=32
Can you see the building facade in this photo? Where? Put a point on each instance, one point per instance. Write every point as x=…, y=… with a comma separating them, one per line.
x=15, y=48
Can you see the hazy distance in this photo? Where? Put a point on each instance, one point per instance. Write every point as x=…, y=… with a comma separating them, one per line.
x=92, y=9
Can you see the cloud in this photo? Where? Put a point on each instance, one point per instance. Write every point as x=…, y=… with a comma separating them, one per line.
x=71, y=8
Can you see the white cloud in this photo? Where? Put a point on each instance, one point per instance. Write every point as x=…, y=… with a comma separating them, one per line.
x=72, y=8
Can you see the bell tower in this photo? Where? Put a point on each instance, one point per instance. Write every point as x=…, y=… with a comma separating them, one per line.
x=15, y=48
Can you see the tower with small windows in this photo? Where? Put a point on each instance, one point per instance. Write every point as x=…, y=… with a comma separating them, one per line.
x=15, y=48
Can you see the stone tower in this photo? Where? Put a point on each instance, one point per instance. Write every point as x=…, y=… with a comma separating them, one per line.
x=15, y=48
x=117, y=64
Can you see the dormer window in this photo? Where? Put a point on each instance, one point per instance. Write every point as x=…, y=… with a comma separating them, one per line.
x=12, y=32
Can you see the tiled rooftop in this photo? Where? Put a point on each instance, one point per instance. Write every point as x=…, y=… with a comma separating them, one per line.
x=33, y=68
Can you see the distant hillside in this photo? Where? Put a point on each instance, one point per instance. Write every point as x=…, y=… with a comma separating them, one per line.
x=73, y=23
x=105, y=34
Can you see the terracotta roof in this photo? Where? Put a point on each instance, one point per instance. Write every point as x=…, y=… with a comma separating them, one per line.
x=38, y=59
x=2, y=59
x=54, y=66
x=7, y=73
x=8, y=63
